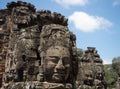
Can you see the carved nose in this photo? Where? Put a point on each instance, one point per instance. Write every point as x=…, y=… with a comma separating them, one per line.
x=60, y=65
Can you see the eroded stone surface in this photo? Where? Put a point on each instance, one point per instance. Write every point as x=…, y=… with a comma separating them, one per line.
x=91, y=73
x=39, y=52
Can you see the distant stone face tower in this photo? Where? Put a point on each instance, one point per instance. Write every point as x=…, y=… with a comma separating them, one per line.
x=39, y=52
x=90, y=71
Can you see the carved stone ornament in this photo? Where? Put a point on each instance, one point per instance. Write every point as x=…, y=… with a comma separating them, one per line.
x=37, y=51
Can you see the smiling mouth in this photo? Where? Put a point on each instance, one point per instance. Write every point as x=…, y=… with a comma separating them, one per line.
x=58, y=77
x=59, y=74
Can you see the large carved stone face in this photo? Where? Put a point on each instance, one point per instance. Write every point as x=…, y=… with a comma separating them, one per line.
x=57, y=64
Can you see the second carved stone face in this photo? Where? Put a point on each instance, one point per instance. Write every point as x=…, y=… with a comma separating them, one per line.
x=57, y=64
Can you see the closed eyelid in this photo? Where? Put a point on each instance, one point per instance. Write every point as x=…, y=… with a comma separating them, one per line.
x=54, y=57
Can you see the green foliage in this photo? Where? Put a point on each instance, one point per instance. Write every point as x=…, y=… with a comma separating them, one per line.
x=111, y=72
x=110, y=76
x=116, y=64
x=79, y=52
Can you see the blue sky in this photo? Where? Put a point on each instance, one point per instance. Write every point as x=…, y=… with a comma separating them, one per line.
x=96, y=23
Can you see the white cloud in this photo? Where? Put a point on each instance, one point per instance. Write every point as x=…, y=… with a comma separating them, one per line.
x=116, y=2
x=87, y=23
x=107, y=61
x=68, y=3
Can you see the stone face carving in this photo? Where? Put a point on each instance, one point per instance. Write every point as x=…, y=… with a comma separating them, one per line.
x=91, y=71
x=57, y=56
x=40, y=52
x=57, y=64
